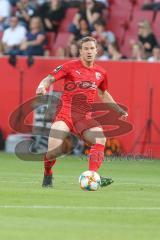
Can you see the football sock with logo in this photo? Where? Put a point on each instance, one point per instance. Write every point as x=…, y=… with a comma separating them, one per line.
x=48, y=164
x=96, y=156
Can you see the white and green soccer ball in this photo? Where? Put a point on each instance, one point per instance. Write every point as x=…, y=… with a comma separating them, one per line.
x=89, y=181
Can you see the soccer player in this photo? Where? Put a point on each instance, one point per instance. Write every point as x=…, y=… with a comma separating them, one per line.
x=83, y=79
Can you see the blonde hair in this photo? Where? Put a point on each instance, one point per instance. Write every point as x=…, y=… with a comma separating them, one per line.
x=138, y=50
x=87, y=39
x=146, y=25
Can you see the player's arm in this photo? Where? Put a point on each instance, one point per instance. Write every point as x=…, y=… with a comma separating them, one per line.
x=107, y=98
x=44, y=84
x=58, y=73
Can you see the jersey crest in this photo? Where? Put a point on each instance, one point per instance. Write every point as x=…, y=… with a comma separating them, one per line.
x=98, y=75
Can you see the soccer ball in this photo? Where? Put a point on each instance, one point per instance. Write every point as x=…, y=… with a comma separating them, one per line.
x=90, y=181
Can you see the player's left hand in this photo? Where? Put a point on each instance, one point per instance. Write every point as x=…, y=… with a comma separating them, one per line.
x=124, y=116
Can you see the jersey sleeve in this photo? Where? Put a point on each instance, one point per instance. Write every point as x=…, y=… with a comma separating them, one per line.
x=104, y=84
x=59, y=72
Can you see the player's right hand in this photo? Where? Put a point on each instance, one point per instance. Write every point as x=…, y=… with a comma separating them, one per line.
x=41, y=91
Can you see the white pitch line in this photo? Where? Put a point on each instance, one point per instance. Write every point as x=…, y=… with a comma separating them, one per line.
x=138, y=184
x=19, y=182
x=80, y=208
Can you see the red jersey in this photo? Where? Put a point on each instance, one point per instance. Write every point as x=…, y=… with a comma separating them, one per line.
x=80, y=80
x=80, y=90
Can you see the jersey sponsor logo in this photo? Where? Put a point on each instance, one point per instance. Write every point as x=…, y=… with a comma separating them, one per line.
x=87, y=84
x=98, y=75
x=57, y=69
x=78, y=72
x=70, y=86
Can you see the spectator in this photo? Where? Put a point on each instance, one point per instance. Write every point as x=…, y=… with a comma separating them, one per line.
x=102, y=36
x=83, y=31
x=72, y=51
x=24, y=11
x=40, y=2
x=5, y=12
x=154, y=5
x=155, y=55
x=73, y=3
x=146, y=37
x=88, y=11
x=13, y=37
x=104, y=2
x=114, y=51
x=102, y=55
x=34, y=45
x=138, y=52
x=77, y=3
x=52, y=13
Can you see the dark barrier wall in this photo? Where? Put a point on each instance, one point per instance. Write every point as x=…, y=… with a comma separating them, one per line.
x=129, y=84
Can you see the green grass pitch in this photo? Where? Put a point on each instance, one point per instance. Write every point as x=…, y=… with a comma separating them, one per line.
x=127, y=210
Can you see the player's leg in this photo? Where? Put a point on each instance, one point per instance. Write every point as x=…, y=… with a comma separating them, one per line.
x=96, y=137
x=59, y=130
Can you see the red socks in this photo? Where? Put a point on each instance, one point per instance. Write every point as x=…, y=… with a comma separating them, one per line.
x=48, y=164
x=96, y=156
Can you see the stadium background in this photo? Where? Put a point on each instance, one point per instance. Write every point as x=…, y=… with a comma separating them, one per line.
x=130, y=82
x=126, y=210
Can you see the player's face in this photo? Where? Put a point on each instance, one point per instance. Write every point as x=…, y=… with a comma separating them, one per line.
x=88, y=51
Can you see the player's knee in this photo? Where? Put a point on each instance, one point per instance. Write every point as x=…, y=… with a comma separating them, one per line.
x=50, y=155
x=54, y=152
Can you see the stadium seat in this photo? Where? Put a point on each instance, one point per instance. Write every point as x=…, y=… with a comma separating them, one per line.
x=118, y=23
x=111, y=2
x=126, y=46
x=139, y=16
x=64, y=26
x=155, y=26
x=120, y=6
x=135, y=4
x=62, y=40
x=50, y=37
x=140, y=3
x=132, y=31
x=124, y=18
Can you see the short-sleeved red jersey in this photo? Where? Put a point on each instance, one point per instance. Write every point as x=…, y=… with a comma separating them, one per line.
x=79, y=79
x=80, y=91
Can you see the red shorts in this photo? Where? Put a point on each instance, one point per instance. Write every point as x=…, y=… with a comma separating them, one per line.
x=77, y=122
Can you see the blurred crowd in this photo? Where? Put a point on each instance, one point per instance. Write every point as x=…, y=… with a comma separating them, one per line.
x=24, y=26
